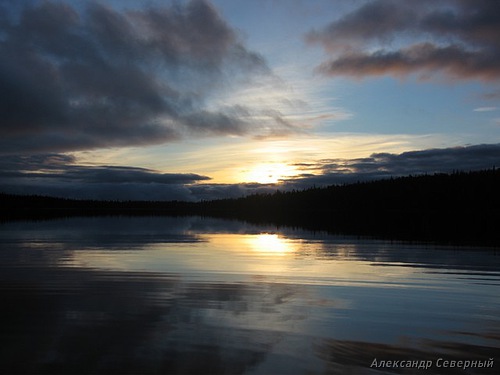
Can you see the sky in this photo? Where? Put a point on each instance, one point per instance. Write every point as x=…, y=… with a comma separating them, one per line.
x=201, y=99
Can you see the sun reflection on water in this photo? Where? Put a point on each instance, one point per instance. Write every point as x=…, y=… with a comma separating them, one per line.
x=219, y=255
x=270, y=244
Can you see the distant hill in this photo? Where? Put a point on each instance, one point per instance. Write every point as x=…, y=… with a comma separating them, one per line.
x=462, y=207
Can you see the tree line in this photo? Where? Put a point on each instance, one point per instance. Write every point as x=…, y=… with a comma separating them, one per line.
x=459, y=207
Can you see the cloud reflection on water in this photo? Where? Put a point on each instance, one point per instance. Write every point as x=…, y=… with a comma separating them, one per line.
x=188, y=295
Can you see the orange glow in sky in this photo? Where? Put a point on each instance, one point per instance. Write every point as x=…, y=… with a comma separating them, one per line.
x=269, y=173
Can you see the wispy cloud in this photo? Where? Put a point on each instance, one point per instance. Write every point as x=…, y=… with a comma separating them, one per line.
x=457, y=38
x=76, y=78
x=485, y=109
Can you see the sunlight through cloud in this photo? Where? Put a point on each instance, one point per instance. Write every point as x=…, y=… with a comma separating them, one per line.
x=269, y=173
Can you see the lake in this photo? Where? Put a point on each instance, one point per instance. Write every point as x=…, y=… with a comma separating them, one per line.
x=164, y=295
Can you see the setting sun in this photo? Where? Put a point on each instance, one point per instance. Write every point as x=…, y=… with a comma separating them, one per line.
x=269, y=173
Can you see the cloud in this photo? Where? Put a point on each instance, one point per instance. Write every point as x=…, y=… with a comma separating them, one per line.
x=386, y=165
x=376, y=20
x=494, y=95
x=458, y=38
x=64, y=167
x=485, y=109
x=61, y=175
x=75, y=78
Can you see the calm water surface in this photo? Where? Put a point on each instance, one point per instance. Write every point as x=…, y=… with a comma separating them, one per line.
x=202, y=296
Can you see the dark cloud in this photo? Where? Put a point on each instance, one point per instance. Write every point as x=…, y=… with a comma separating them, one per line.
x=459, y=38
x=386, y=165
x=494, y=95
x=376, y=20
x=64, y=167
x=61, y=175
x=81, y=78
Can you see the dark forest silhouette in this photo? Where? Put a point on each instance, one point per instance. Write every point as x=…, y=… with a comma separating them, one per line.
x=461, y=207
